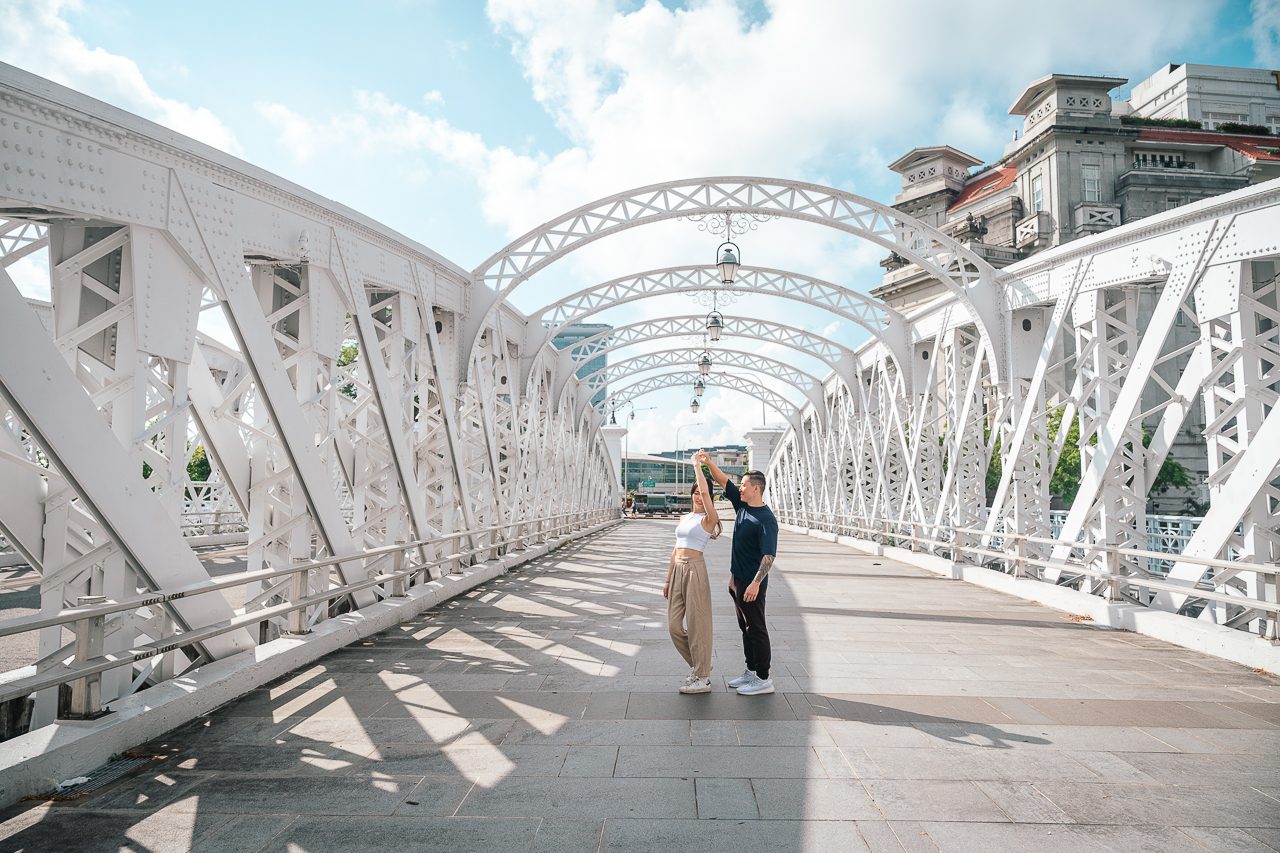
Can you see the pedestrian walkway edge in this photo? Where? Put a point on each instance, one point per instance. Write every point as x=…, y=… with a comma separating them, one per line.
x=34, y=763
x=1195, y=634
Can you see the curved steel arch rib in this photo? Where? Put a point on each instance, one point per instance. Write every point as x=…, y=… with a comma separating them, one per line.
x=962, y=271
x=746, y=385
x=769, y=331
x=804, y=382
x=840, y=358
x=883, y=322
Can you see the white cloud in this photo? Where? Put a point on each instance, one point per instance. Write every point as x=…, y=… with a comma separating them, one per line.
x=31, y=275
x=35, y=36
x=820, y=88
x=1264, y=31
x=724, y=417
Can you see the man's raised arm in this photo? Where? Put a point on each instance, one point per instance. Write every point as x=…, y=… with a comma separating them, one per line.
x=704, y=458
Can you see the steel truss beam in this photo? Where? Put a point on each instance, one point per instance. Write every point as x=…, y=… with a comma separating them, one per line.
x=838, y=358
x=885, y=324
x=1125, y=343
x=334, y=424
x=804, y=382
x=745, y=384
x=968, y=277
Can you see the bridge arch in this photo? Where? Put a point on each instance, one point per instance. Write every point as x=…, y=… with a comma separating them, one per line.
x=963, y=272
x=886, y=324
x=838, y=357
x=746, y=384
x=806, y=383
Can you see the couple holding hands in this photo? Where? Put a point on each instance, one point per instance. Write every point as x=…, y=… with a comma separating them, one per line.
x=688, y=590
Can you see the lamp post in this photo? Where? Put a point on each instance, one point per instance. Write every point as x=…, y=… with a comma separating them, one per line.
x=679, y=470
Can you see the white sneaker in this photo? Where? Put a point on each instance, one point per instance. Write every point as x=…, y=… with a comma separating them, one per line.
x=698, y=685
x=691, y=677
x=746, y=677
x=756, y=687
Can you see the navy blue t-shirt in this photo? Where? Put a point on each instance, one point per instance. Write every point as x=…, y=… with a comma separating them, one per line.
x=755, y=533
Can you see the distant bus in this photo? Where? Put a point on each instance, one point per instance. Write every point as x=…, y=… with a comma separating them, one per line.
x=650, y=505
x=679, y=504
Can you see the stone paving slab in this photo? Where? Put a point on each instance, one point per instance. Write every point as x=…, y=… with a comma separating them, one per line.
x=539, y=712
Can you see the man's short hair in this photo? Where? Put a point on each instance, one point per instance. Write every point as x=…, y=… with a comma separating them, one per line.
x=755, y=478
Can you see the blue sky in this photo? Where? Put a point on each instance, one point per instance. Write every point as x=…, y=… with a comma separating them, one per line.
x=464, y=124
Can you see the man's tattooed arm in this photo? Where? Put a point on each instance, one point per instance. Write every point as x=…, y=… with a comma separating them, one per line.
x=765, y=565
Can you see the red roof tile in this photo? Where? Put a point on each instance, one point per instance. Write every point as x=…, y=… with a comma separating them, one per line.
x=1254, y=147
x=985, y=185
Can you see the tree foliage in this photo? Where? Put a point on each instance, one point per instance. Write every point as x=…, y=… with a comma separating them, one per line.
x=198, y=469
x=1064, y=484
x=347, y=355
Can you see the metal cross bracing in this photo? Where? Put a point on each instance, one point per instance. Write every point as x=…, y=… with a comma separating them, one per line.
x=967, y=277
x=675, y=379
x=883, y=322
x=692, y=327
x=806, y=383
x=377, y=406
x=1128, y=334
x=332, y=417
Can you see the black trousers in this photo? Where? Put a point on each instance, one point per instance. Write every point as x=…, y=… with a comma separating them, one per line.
x=755, y=636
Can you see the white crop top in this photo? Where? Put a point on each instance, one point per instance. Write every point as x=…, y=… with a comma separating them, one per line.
x=691, y=534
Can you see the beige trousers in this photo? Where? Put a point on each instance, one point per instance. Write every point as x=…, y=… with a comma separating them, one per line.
x=689, y=601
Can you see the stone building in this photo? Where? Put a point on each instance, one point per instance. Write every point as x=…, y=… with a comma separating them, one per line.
x=1211, y=94
x=1084, y=162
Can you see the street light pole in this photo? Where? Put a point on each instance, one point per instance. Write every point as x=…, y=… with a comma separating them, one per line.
x=626, y=439
x=679, y=470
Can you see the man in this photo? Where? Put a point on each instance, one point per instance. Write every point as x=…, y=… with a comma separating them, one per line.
x=755, y=544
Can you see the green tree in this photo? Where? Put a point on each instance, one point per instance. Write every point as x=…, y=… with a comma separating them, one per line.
x=1065, y=482
x=199, y=469
x=348, y=354
x=995, y=467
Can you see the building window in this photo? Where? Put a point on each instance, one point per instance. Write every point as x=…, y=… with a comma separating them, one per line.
x=1092, y=176
x=1213, y=119
x=1171, y=202
x=1037, y=193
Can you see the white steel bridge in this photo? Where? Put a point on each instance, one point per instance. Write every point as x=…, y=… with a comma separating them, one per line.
x=456, y=440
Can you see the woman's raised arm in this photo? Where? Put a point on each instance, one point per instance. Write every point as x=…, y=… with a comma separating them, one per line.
x=711, y=519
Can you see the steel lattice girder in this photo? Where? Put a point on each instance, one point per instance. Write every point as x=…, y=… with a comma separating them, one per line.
x=839, y=359
x=1120, y=371
x=403, y=456
x=453, y=423
x=885, y=324
x=804, y=382
x=969, y=279
x=744, y=384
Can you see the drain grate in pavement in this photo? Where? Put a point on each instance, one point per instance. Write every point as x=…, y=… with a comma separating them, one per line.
x=104, y=775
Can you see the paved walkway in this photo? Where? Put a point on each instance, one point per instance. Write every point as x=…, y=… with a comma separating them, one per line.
x=539, y=713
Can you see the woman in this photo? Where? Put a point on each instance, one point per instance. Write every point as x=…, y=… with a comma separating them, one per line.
x=687, y=590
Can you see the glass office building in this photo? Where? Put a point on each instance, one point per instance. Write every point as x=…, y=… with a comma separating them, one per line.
x=570, y=335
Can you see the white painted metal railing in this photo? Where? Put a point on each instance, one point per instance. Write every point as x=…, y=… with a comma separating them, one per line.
x=1166, y=534
x=295, y=602
x=1111, y=571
